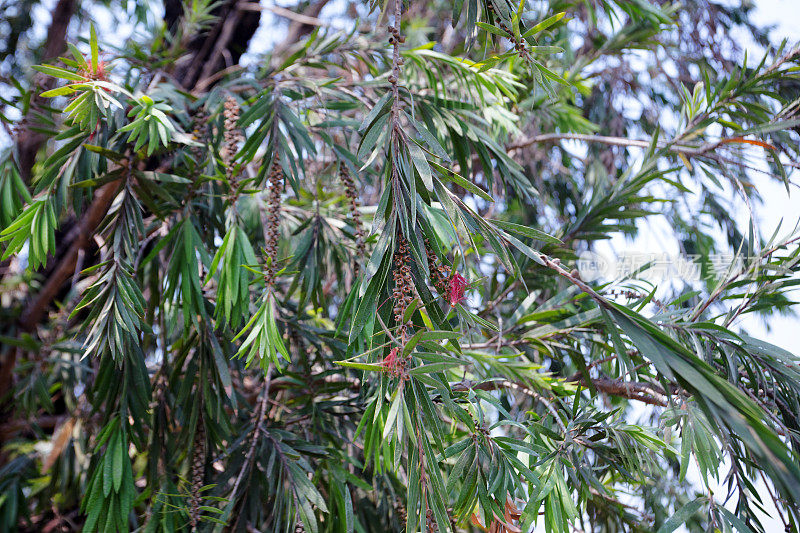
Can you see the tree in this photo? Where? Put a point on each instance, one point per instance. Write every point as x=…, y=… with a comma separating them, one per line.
x=334, y=290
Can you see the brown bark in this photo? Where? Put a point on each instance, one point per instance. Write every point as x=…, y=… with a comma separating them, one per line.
x=632, y=390
x=36, y=308
x=79, y=237
x=221, y=46
x=28, y=141
x=298, y=28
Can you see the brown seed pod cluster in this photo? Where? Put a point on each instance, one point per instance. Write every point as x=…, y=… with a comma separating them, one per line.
x=519, y=44
x=403, y=293
x=400, y=511
x=232, y=136
x=440, y=273
x=430, y=522
x=395, y=39
x=199, y=132
x=394, y=36
x=352, y=196
x=275, y=182
x=198, y=471
x=631, y=295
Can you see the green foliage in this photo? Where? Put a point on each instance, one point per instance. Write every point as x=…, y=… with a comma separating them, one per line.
x=35, y=225
x=263, y=341
x=150, y=124
x=342, y=301
x=110, y=492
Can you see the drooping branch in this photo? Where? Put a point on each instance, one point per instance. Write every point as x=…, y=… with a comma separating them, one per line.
x=287, y=13
x=632, y=390
x=259, y=417
x=79, y=237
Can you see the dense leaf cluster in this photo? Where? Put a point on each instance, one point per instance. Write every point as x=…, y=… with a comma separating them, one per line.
x=329, y=293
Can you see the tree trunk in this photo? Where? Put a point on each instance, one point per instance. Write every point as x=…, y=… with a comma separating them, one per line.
x=28, y=141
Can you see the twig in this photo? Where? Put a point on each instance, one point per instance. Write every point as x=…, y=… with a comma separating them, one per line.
x=258, y=419
x=632, y=390
x=285, y=13
x=203, y=84
x=693, y=151
x=720, y=289
x=386, y=330
x=491, y=305
x=788, y=56
x=494, y=343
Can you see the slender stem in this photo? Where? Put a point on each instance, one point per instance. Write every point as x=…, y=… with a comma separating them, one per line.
x=643, y=392
x=396, y=64
x=719, y=290
x=616, y=141
x=258, y=419
x=491, y=305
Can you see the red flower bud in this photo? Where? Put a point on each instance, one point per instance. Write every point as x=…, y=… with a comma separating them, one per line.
x=392, y=361
x=455, y=288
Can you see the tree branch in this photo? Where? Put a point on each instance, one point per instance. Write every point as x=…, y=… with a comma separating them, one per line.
x=692, y=151
x=79, y=236
x=286, y=13
x=632, y=390
x=298, y=28
x=258, y=418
